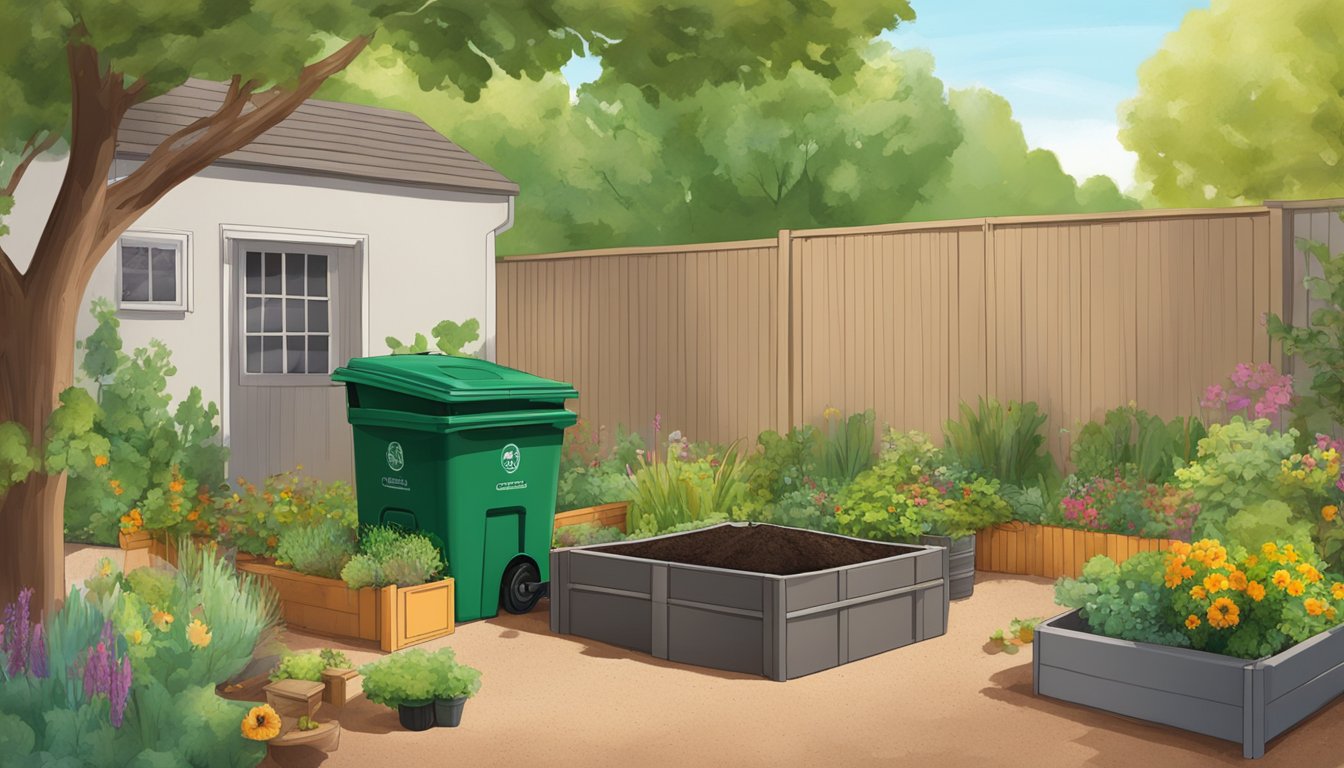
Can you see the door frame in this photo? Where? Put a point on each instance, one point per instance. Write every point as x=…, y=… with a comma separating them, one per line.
x=229, y=237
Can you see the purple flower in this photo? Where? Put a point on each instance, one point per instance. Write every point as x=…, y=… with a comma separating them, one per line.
x=1238, y=403
x=37, y=653
x=17, y=619
x=97, y=672
x=120, y=685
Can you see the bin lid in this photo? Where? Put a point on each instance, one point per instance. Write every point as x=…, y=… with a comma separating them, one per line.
x=450, y=379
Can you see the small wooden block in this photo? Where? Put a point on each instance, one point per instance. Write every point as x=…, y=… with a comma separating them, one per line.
x=341, y=685
x=293, y=698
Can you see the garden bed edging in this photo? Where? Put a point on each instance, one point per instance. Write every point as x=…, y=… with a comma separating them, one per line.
x=394, y=617
x=609, y=515
x=1245, y=700
x=780, y=627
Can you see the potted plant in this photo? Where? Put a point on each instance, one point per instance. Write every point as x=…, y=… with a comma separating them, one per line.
x=405, y=681
x=455, y=683
x=960, y=503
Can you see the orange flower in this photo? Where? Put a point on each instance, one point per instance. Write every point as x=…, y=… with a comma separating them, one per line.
x=1198, y=592
x=1314, y=607
x=1329, y=512
x=1256, y=591
x=1215, y=583
x=1310, y=573
x=100, y=461
x=1191, y=621
x=1295, y=588
x=1337, y=591
x=1224, y=613
x=176, y=486
x=194, y=514
x=115, y=485
x=1289, y=553
x=1252, y=561
x=1281, y=578
x=1330, y=613
x=1238, y=580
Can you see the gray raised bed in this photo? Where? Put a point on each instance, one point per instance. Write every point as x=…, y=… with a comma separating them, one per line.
x=1250, y=701
x=781, y=627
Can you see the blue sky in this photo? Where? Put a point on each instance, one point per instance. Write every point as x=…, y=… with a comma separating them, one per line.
x=1065, y=65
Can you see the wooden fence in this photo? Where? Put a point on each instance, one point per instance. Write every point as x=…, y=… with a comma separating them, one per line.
x=1079, y=313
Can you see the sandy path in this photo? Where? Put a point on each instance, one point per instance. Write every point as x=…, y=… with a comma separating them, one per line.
x=559, y=701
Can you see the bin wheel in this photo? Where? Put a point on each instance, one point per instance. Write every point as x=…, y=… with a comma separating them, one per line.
x=521, y=589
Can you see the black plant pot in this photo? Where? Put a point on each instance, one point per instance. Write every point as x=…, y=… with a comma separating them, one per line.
x=416, y=717
x=448, y=712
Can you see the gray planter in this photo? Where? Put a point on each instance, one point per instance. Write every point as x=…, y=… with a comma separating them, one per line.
x=1250, y=701
x=780, y=627
x=960, y=563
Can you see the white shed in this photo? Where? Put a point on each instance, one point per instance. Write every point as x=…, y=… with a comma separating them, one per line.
x=339, y=227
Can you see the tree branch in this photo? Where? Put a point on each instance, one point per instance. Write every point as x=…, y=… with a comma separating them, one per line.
x=225, y=131
x=30, y=152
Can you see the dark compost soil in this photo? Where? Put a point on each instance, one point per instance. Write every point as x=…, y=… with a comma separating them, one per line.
x=759, y=549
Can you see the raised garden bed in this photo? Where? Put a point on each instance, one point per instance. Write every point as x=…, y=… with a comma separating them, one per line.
x=1221, y=696
x=611, y=515
x=1053, y=551
x=760, y=599
x=394, y=617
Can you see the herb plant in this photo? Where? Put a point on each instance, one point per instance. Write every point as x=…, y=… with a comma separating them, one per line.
x=300, y=666
x=320, y=549
x=1001, y=441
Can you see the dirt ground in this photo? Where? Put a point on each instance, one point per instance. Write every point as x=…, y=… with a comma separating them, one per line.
x=552, y=700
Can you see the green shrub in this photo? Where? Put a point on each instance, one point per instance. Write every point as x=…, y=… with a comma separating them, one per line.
x=253, y=519
x=848, y=447
x=387, y=555
x=1127, y=601
x=811, y=506
x=449, y=336
x=784, y=464
x=672, y=492
x=900, y=499
x=453, y=679
x=1002, y=442
x=333, y=659
x=131, y=459
x=590, y=486
x=584, y=534
x=1320, y=342
x=587, y=476
x=1129, y=437
x=300, y=666
x=405, y=677
x=320, y=549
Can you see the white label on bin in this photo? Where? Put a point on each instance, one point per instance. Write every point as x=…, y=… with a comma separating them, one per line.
x=510, y=457
x=395, y=458
x=396, y=484
x=512, y=485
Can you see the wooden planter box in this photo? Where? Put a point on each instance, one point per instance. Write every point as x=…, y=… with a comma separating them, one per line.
x=1052, y=551
x=780, y=627
x=142, y=547
x=342, y=685
x=610, y=515
x=1250, y=701
x=394, y=617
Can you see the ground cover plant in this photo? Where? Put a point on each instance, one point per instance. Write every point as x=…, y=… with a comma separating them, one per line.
x=124, y=673
x=590, y=475
x=388, y=555
x=253, y=519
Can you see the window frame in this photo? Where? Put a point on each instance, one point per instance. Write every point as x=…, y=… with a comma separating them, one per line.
x=181, y=242
x=239, y=351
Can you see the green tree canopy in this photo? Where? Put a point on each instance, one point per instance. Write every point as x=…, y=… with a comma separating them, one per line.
x=880, y=142
x=1243, y=103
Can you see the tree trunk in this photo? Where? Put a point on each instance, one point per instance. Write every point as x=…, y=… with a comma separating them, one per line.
x=34, y=371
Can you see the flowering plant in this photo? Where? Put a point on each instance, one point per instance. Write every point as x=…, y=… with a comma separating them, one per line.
x=252, y=519
x=887, y=503
x=1260, y=391
x=1127, y=505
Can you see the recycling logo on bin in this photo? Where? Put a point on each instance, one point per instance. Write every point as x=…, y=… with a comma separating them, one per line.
x=510, y=457
x=395, y=458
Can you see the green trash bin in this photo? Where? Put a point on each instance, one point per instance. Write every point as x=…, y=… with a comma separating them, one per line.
x=466, y=450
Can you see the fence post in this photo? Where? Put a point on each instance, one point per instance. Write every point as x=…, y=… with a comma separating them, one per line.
x=785, y=367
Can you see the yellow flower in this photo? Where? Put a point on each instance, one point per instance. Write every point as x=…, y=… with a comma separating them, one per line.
x=1215, y=583
x=284, y=494
x=1252, y=561
x=261, y=724
x=1198, y=593
x=1224, y=613
x=1310, y=573
x=162, y=620
x=1295, y=588
x=100, y=461
x=1281, y=578
x=105, y=567
x=136, y=637
x=1337, y=591
x=1329, y=512
x=1269, y=549
x=830, y=413
x=1314, y=607
x=198, y=634
x=1238, y=580
x=1256, y=591
x=1191, y=621
x=1290, y=553
x=1330, y=612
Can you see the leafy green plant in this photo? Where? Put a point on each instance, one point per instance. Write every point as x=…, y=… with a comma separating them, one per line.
x=1003, y=442
x=405, y=677
x=300, y=666
x=18, y=459
x=1128, y=436
x=672, y=491
x=1126, y=504
x=584, y=534
x=388, y=555
x=132, y=460
x=811, y=506
x=320, y=549
x=848, y=447
x=449, y=337
x=452, y=678
x=1320, y=344
x=333, y=659
x=1127, y=601
x=1019, y=633
x=588, y=476
x=782, y=465
x=253, y=519
x=900, y=499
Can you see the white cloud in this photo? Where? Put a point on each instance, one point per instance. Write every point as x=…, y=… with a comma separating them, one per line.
x=1085, y=147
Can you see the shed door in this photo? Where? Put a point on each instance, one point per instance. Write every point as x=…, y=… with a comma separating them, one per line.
x=297, y=318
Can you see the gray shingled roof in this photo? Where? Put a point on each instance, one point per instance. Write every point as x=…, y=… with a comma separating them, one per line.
x=324, y=138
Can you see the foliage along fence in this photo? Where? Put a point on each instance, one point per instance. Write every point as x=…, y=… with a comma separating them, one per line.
x=1079, y=313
